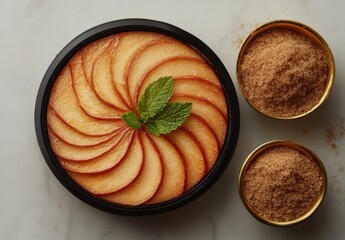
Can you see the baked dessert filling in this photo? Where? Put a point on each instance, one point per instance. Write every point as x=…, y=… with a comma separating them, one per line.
x=132, y=164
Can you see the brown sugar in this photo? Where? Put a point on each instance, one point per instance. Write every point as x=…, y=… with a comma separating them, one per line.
x=283, y=73
x=282, y=184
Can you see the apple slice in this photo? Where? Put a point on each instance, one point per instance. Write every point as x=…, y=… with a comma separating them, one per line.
x=64, y=102
x=102, y=163
x=147, y=183
x=116, y=178
x=103, y=82
x=191, y=151
x=212, y=115
x=205, y=137
x=91, y=52
x=70, y=135
x=77, y=153
x=88, y=99
x=129, y=44
x=178, y=67
x=150, y=56
x=174, y=172
x=202, y=89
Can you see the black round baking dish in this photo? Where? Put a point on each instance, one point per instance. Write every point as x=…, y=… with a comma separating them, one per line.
x=126, y=25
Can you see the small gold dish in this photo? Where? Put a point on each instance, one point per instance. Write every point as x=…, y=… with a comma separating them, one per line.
x=309, y=33
x=305, y=151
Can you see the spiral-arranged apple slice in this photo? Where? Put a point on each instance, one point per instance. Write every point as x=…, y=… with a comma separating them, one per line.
x=103, y=83
x=65, y=103
x=70, y=135
x=205, y=137
x=128, y=46
x=116, y=178
x=88, y=99
x=91, y=52
x=147, y=183
x=103, y=153
x=77, y=153
x=196, y=87
x=207, y=111
x=104, y=162
x=150, y=56
x=174, y=173
x=195, y=161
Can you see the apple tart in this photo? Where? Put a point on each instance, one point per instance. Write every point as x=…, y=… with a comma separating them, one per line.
x=107, y=157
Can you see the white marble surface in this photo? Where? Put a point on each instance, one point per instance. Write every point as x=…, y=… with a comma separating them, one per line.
x=34, y=205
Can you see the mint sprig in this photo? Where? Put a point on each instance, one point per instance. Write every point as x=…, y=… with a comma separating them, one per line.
x=172, y=116
x=159, y=116
x=155, y=97
x=132, y=120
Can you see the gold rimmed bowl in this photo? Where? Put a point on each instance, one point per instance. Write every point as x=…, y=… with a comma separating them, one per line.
x=308, y=32
x=281, y=143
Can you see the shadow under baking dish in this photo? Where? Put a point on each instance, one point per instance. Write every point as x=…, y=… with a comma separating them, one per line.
x=105, y=30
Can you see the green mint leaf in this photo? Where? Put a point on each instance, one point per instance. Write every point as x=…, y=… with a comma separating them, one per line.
x=170, y=118
x=155, y=97
x=131, y=119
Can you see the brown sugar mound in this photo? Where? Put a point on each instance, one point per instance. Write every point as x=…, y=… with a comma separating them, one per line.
x=283, y=73
x=282, y=184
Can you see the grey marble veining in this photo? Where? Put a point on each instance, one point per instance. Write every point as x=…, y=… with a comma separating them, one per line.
x=34, y=205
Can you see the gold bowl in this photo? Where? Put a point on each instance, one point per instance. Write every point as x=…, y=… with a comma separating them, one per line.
x=298, y=147
x=309, y=33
